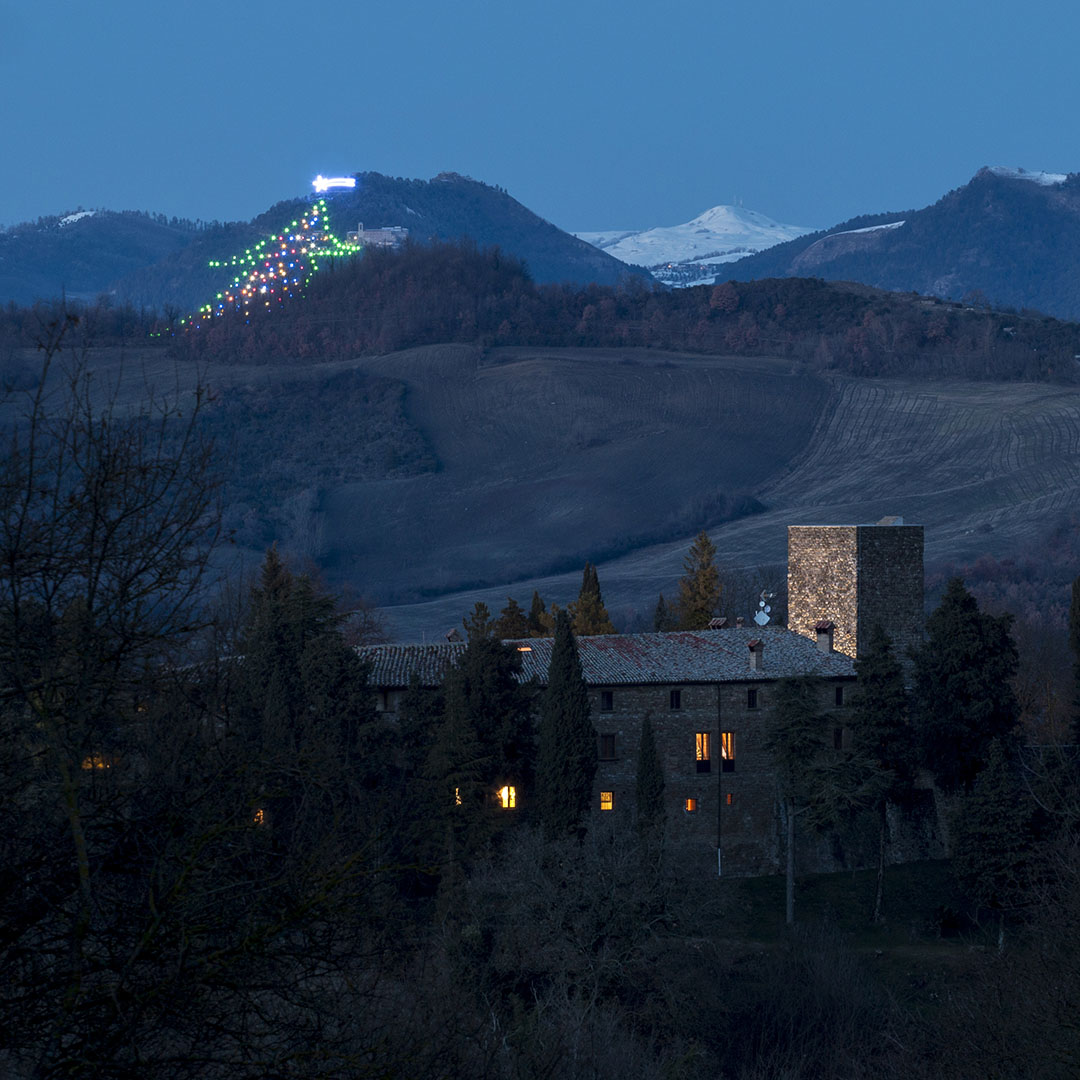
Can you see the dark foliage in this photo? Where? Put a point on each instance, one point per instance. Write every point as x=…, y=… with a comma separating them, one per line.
x=963, y=697
x=566, y=762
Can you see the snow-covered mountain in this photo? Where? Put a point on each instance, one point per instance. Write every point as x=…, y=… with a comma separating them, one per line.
x=694, y=253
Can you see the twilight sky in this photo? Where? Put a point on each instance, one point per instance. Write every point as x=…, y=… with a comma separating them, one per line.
x=594, y=113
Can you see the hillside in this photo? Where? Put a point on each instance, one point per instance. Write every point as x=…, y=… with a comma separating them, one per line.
x=80, y=254
x=437, y=476
x=1007, y=237
x=149, y=262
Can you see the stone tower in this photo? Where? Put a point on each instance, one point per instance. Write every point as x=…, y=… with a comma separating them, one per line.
x=854, y=576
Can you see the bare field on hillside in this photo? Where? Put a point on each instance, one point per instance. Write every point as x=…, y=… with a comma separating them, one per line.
x=547, y=458
x=530, y=461
x=985, y=467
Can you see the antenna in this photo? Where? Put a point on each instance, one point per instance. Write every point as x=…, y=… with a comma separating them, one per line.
x=761, y=616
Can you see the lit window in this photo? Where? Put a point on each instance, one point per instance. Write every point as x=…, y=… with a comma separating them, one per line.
x=690, y=805
x=730, y=798
x=727, y=751
x=508, y=797
x=457, y=796
x=701, y=751
x=96, y=761
x=751, y=698
x=607, y=700
x=676, y=699
x=607, y=800
x=607, y=747
x=259, y=817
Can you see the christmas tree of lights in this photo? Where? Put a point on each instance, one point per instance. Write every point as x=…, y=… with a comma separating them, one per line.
x=276, y=268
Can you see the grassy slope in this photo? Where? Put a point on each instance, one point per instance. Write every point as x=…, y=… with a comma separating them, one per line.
x=520, y=464
x=986, y=467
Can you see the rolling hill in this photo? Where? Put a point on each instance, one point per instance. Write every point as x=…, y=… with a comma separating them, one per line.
x=437, y=476
x=1008, y=237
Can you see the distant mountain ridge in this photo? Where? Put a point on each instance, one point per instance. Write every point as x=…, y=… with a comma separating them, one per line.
x=695, y=253
x=1008, y=237
x=151, y=261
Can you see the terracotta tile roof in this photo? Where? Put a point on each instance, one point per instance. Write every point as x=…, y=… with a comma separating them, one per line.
x=700, y=656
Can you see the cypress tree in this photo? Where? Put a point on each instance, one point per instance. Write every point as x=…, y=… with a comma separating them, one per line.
x=537, y=611
x=651, y=813
x=566, y=761
x=663, y=619
x=699, y=587
x=963, y=696
x=589, y=614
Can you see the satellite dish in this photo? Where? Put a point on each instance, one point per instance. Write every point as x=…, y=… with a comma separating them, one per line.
x=761, y=618
x=763, y=612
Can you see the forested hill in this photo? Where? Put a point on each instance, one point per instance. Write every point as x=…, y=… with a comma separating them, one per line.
x=1010, y=237
x=149, y=261
x=451, y=293
x=80, y=253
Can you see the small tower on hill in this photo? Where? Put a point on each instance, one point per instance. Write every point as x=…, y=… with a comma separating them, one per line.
x=855, y=576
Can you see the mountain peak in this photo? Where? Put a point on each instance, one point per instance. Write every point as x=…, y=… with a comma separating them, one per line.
x=692, y=252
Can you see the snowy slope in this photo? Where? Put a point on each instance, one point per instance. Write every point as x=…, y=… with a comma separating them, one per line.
x=1043, y=179
x=692, y=254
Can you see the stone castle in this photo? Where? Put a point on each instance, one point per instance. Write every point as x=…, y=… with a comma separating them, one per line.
x=710, y=697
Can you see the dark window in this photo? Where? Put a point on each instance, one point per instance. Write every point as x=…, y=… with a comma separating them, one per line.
x=607, y=700
x=607, y=747
x=838, y=738
x=727, y=751
x=751, y=698
x=702, y=751
x=676, y=699
x=839, y=696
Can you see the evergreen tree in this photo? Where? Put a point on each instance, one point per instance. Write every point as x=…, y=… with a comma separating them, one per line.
x=963, y=696
x=512, y=622
x=992, y=838
x=699, y=587
x=818, y=782
x=315, y=748
x=651, y=813
x=537, y=611
x=880, y=732
x=1074, y=644
x=663, y=618
x=589, y=614
x=566, y=762
x=478, y=623
x=483, y=742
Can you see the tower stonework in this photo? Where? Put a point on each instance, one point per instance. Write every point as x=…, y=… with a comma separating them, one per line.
x=855, y=576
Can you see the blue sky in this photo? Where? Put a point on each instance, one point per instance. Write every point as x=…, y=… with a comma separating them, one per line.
x=595, y=114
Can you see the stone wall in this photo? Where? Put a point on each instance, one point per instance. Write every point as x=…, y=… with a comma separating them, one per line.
x=854, y=576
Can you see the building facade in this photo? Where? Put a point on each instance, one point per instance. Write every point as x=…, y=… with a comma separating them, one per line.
x=710, y=697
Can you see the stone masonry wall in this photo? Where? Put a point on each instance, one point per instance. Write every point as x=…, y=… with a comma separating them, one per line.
x=856, y=575
x=822, y=581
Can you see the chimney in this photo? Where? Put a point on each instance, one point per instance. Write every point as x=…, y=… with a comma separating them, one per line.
x=738, y=620
x=824, y=630
x=757, y=653
x=717, y=624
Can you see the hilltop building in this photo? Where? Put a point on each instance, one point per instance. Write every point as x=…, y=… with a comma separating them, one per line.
x=710, y=696
x=389, y=236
